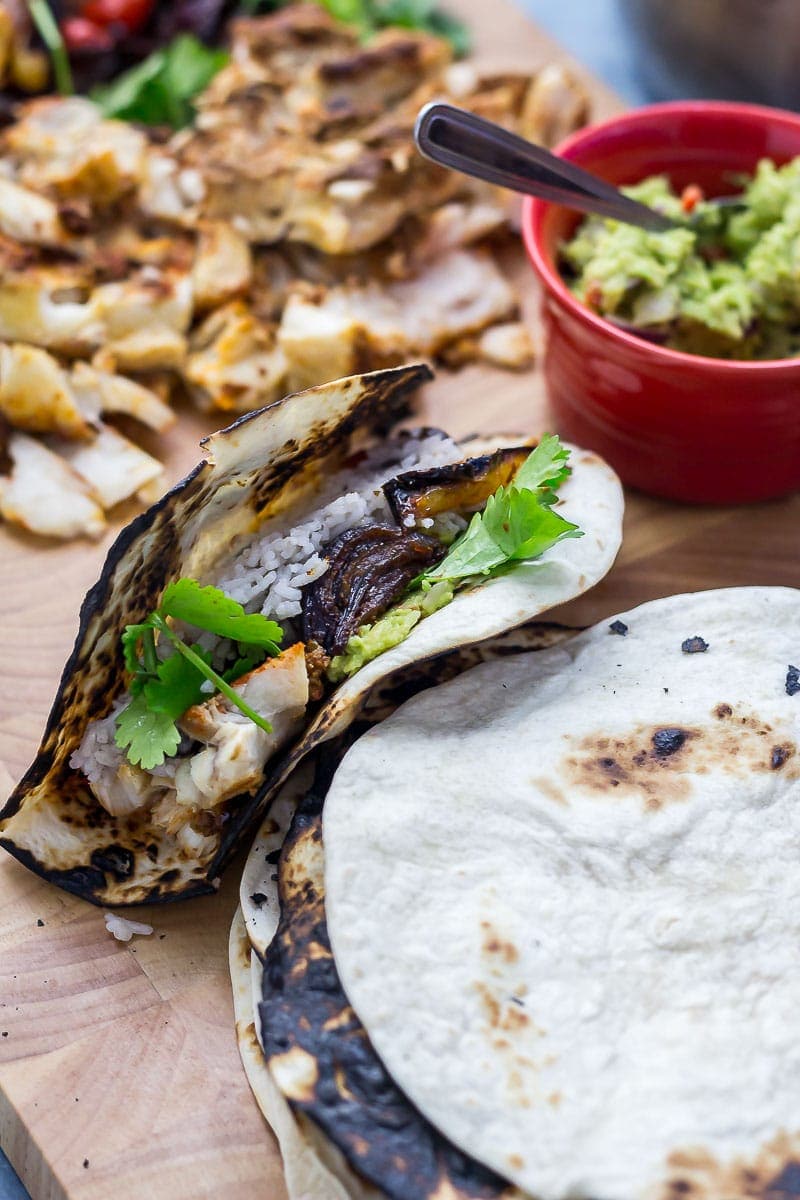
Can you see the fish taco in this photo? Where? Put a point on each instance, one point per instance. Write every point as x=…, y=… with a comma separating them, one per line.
x=241, y=620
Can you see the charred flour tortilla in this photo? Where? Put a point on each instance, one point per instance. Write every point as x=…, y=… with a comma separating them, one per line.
x=562, y=897
x=344, y=1129
x=262, y=472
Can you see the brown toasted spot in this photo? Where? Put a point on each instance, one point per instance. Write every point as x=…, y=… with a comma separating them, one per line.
x=515, y=1162
x=555, y=1099
x=773, y=1173
x=490, y=1004
x=493, y=944
x=550, y=790
x=659, y=763
x=514, y=1018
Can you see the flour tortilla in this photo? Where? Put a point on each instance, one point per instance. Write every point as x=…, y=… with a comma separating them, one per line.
x=562, y=895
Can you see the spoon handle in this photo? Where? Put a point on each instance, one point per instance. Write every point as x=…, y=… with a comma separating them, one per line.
x=465, y=142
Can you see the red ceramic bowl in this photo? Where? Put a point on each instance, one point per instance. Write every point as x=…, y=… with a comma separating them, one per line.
x=676, y=425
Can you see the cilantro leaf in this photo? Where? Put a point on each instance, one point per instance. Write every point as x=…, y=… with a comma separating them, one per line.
x=474, y=553
x=177, y=686
x=521, y=526
x=149, y=737
x=209, y=608
x=160, y=89
x=253, y=657
x=516, y=524
x=545, y=467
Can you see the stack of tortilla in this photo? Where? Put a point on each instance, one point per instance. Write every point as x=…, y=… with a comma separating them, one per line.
x=536, y=933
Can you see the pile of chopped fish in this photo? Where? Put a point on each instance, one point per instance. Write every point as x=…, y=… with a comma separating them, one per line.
x=291, y=236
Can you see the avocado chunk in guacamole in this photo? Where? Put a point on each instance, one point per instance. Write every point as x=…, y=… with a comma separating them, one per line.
x=726, y=284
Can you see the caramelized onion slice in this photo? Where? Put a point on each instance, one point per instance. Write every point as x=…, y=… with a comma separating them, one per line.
x=370, y=568
x=462, y=487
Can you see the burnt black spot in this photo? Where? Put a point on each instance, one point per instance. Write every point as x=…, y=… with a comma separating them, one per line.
x=273, y=858
x=619, y=627
x=640, y=759
x=722, y=711
x=608, y=764
x=786, y=1184
x=115, y=860
x=170, y=876
x=152, y=852
x=792, y=681
x=779, y=756
x=40, y=923
x=668, y=741
x=258, y=899
x=680, y=1186
x=694, y=645
x=321, y=975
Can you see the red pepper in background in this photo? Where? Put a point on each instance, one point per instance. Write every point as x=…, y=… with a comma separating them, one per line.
x=133, y=14
x=81, y=34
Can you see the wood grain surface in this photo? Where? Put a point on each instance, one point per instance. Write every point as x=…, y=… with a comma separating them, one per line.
x=119, y=1073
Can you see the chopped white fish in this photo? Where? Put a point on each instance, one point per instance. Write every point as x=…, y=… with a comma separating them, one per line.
x=65, y=145
x=555, y=104
x=236, y=749
x=29, y=217
x=113, y=466
x=44, y=495
x=156, y=349
x=39, y=306
x=325, y=336
x=123, y=791
x=124, y=929
x=507, y=345
x=223, y=265
x=104, y=392
x=235, y=363
x=36, y=394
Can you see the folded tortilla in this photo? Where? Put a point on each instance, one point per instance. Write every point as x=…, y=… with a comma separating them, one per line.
x=132, y=836
x=561, y=895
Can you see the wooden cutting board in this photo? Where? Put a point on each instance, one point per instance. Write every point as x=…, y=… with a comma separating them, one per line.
x=119, y=1073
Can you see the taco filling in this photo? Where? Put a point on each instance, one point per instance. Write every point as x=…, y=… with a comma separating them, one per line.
x=225, y=671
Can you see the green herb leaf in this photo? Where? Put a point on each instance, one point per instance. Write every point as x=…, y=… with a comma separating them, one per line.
x=177, y=685
x=149, y=737
x=546, y=467
x=209, y=608
x=474, y=553
x=244, y=664
x=516, y=524
x=424, y=15
x=522, y=526
x=159, y=90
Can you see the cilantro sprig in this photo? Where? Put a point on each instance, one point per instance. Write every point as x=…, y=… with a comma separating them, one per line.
x=160, y=89
x=163, y=687
x=517, y=523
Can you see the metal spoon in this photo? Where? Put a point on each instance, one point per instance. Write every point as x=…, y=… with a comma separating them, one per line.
x=467, y=143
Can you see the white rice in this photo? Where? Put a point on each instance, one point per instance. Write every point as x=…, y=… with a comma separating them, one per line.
x=267, y=575
x=123, y=929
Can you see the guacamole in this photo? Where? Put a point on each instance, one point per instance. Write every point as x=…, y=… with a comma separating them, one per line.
x=726, y=285
x=389, y=630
